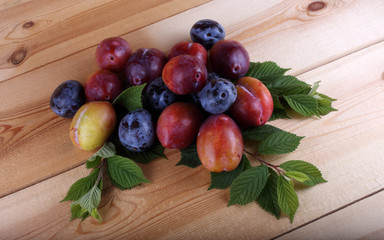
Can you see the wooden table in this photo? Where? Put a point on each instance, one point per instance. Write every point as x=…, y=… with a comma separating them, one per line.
x=340, y=43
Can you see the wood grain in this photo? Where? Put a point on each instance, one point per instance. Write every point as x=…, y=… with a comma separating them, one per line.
x=340, y=43
x=362, y=220
x=178, y=196
x=34, y=30
x=79, y=65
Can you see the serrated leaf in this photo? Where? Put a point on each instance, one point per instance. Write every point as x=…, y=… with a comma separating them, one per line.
x=77, y=211
x=106, y=151
x=247, y=187
x=189, y=157
x=276, y=102
x=125, y=172
x=302, y=104
x=222, y=180
x=85, y=216
x=247, y=164
x=130, y=98
x=95, y=214
x=265, y=71
x=259, y=133
x=268, y=197
x=91, y=199
x=310, y=170
x=156, y=151
x=324, y=110
x=279, y=143
x=279, y=114
x=298, y=176
x=82, y=186
x=288, y=85
x=324, y=104
x=286, y=197
x=93, y=164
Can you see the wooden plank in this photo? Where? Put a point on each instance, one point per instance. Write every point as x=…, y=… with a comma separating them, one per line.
x=39, y=32
x=346, y=146
x=363, y=220
x=28, y=123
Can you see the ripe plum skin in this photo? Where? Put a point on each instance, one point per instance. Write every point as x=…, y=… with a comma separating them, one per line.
x=219, y=143
x=229, y=59
x=178, y=125
x=190, y=48
x=207, y=32
x=102, y=85
x=92, y=125
x=137, y=131
x=145, y=65
x=158, y=95
x=112, y=54
x=67, y=98
x=253, y=105
x=217, y=96
x=185, y=74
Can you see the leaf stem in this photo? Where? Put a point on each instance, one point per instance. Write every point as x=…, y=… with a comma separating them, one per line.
x=265, y=162
x=99, y=177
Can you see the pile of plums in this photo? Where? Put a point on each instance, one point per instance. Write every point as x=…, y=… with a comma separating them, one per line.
x=189, y=97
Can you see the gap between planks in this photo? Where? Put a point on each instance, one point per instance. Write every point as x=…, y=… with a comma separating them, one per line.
x=300, y=73
x=330, y=213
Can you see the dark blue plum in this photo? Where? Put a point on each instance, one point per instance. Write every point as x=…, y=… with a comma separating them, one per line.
x=137, y=131
x=196, y=96
x=207, y=32
x=158, y=95
x=67, y=98
x=218, y=95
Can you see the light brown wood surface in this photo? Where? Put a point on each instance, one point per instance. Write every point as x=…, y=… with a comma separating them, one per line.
x=43, y=43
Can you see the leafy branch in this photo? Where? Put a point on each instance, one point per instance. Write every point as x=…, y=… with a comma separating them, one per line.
x=289, y=93
x=272, y=186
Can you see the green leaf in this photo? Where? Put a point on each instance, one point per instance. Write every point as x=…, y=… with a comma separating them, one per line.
x=310, y=170
x=189, y=157
x=93, y=164
x=265, y=71
x=302, y=104
x=130, y=98
x=248, y=185
x=77, y=211
x=324, y=104
x=299, y=176
x=156, y=151
x=91, y=199
x=288, y=85
x=276, y=102
x=95, y=214
x=279, y=143
x=268, y=197
x=260, y=133
x=222, y=180
x=85, y=216
x=286, y=197
x=82, y=186
x=279, y=114
x=247, y=164
x=125, y=172
x=106, y=151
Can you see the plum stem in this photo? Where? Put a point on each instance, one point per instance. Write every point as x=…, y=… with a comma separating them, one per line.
x=275, y=167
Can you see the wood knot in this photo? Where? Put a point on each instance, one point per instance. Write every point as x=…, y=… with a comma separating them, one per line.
x=18, y=56
x=28, y=24
x=316, y=6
